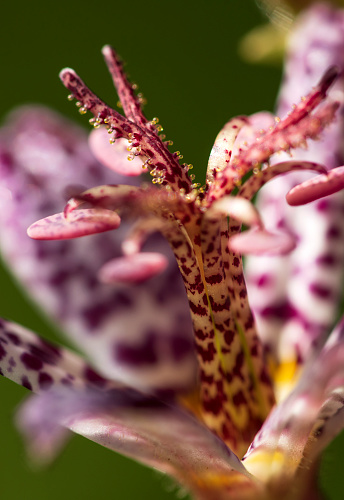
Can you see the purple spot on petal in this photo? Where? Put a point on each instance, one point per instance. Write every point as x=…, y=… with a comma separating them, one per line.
x=137, y=355
x=2, y=352
x=66, y=381
x=46, y=353
x=25, y=383
x=322, y=205
x=94, y=377
x=180, y=347
x=13, y=338
x=31, y=362
x=334, y=232
x=264, y=280
x=45, y=380
x=327, y=260
x=320, y=291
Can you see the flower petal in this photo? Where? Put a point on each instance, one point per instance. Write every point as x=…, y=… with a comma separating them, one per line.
x=262, y=242
x=120, y=418
x=317, y=187
x=236, y=207
x=292, y=429
x=78, y=223
x=133, y=268
x=261, y=177
x=41, y=155
x=159, y=435
x=114, y=156
x=304, y=122
x=40, y=365
x=295, y=298
x=221, y=152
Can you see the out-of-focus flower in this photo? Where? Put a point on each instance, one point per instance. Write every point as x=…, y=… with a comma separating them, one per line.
x=266, y=43
x=140, y=394
x=295, y=298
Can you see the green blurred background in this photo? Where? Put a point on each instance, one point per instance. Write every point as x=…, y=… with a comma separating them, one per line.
x=184, y=57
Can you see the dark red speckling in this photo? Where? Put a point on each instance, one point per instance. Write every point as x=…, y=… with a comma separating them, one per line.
x=229, y=337
x=198, y=309
x=239, y=399
x=45, y=380
x=214, y=279
x=25, y=383
x=2, y=352
x=236, y=262
x=94, y=377
x=207, y=354
x=320, y=290
x=31, y=362
x=13, y=338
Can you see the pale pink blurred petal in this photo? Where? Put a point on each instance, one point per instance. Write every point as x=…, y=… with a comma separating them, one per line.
x=135, y=268
x=115, y=155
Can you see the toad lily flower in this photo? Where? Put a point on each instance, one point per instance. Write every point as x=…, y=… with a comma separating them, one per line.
x=199, y=431
x=295, y=297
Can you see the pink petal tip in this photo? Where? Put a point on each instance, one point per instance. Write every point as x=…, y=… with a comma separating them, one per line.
x=114, y=156
x=133, y=268
x=78, y=223
x=317, y=187
x=261, y=242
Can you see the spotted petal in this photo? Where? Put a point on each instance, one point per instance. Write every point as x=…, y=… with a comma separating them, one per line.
x=159, y=435
x=78, y=223
x=291, y=432
x=43, y=161
x=40, y=365
x=295, y=298
x=74, y=396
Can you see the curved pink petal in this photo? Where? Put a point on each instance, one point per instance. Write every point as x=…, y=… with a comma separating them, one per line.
x=317, y=187
x=159, y=435
x=114, y=156
x=73, y=396
x=221, y=153
x=261, y=177
x=238, y=208
x=78, y=223
x=39, y=365
x=133, y=268
x=262, y=242
x=43, y=161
